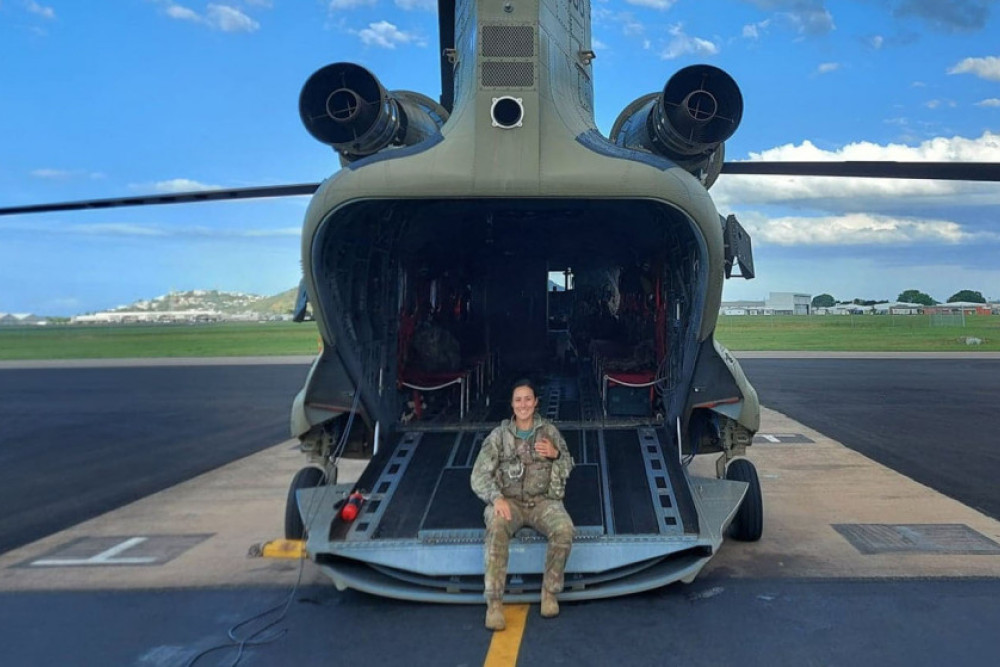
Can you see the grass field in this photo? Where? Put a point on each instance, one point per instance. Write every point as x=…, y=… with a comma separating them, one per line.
x=168, y=340
x=858, y=333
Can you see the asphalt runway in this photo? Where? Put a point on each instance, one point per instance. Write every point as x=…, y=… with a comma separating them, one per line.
x=78, y=442
x=802, y=595
x=934, y=420
x=770, y=623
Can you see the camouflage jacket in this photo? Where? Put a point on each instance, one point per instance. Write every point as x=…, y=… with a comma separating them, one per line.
x=509, y=466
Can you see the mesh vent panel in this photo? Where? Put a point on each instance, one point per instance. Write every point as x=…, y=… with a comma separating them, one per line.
x=508, y=41
x=503, y=74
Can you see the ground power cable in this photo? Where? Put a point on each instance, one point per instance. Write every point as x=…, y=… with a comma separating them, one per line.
x=255, y=638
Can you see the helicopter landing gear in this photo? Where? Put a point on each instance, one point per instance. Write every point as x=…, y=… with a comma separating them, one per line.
x=306, y=478
x=748, y=524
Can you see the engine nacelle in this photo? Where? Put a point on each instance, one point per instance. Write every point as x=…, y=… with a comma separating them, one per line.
x=700, y=107
x=345, y=106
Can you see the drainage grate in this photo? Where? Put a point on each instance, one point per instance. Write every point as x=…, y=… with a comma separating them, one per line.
x=928, y=538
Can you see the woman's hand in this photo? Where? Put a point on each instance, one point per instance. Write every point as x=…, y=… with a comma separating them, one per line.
x=545, y=448
x=502, y=508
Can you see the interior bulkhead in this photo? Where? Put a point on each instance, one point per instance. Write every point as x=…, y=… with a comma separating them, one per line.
x=431, y=302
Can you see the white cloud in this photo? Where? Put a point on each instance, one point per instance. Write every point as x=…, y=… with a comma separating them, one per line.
x=991, y=102
x=387, y=36
x=350, y=4
x=116, y=229
x=936, y=104
x=682, y=44
x=283, y=231
x=948, y=15
x=66, y=174
x=598, y=45
x=40, y=10
x=826, y=68
x=51, y=173
x=217, y=17
x=876, y=41
x=655, y=4
x=985, y=68
x=183, y=13
x=943, y=149
x=753, y=30
x=857, y=229
x=805, y=16
x=229, y=19
x=864, y=194
x=599, y=14
x=632, y=27
x=409, y=5
x=817, y=22
x=149, y=230
x=176, y=185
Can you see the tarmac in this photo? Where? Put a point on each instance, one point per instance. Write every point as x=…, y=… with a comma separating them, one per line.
x=808, y=488
x=858, y=565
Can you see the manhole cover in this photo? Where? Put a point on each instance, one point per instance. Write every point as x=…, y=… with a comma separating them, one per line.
x=936, y=538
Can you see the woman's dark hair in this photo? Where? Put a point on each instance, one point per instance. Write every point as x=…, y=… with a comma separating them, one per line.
x=524, y=382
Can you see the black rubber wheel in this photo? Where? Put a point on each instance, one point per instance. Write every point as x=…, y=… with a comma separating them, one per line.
x=748, y=524
x=306, y=478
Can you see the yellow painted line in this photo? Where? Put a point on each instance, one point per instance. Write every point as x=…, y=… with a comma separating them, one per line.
x=506, y=643
x=284, y=549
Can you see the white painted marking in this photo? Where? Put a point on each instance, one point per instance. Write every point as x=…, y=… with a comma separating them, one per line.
x=704, y=595
x=106, y=557
x=769, y=437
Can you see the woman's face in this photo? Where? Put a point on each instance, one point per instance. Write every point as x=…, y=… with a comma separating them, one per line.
x=524, y=403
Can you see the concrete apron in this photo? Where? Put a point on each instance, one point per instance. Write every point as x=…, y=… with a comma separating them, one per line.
x=218, y=518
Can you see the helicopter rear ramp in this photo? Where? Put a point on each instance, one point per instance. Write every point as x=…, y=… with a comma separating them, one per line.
x=640, y=522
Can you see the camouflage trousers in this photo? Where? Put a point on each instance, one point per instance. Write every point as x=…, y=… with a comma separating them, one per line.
x=549, y=518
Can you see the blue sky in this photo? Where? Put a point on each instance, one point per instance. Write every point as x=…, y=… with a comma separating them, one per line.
x=128, y=97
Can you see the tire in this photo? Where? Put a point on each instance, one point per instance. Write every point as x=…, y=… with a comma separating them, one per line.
x=748, y=524
x=307, y=478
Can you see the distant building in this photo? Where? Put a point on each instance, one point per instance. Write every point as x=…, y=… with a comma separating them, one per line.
x=789, y=303
x=21, y=320
x=777, y=303
x=898, y=308
x=148, y=316
x=959, y=308
x=744, y=308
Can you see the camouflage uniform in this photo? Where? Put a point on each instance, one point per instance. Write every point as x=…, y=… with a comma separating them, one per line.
x=509, y=467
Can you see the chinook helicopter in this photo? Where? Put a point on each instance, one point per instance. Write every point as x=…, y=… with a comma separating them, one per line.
x=427, y=263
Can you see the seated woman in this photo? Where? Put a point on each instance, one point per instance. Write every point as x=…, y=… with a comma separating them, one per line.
x=521, y=474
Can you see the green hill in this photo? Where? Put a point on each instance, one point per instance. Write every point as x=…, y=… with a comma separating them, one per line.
x=279, y=304
x=231, y=303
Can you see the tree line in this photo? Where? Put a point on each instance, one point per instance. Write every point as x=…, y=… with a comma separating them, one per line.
x=906, y=296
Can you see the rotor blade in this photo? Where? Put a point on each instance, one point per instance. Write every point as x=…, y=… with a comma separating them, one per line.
x=175, y=198
x=946, y=171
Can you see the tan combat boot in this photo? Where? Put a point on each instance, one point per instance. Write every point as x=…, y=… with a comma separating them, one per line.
x=550, y=606
x=494, y=615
